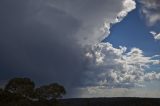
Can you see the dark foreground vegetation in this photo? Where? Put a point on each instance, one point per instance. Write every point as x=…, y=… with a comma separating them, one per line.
x=22, y=92
x=14, y=100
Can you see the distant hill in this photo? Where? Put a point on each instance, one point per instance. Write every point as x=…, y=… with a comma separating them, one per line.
x=112, y=102
x=17, y=101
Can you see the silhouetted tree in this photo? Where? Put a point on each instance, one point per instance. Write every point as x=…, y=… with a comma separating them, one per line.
x=1, y=90
x=21, y=91
x=20, y=86
x=50, y=92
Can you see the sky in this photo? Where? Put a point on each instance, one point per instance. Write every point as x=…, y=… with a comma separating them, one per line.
x=133, y=32
x=95, y=48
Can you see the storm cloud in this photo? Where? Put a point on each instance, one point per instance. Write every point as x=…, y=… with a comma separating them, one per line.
x=32, y=47
x=46, y=39
x=60, y=41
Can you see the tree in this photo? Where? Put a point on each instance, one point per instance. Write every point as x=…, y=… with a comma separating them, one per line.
x=1, y=91
x=20, y=86
x=50, y=92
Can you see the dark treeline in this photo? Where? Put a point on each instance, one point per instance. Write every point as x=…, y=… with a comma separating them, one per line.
x=22, y=92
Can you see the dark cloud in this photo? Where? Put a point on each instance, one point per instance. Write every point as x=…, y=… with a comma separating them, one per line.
x=34, y=49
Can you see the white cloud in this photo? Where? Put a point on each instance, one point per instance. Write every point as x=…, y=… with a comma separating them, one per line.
x=151, y=10
x=128, y=5
x=115, y=67
x=155, y=35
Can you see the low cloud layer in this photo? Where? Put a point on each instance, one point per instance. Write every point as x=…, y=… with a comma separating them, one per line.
x=91, y=92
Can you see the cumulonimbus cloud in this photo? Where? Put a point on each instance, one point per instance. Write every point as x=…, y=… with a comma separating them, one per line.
x=51, y=40
x=47, y=39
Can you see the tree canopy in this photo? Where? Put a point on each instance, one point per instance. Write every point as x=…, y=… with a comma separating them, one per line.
x=21, y=86
x=51, y=91
x=25, y=88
